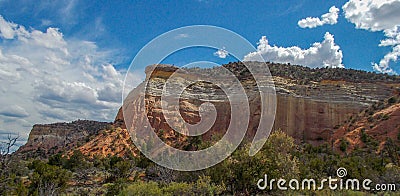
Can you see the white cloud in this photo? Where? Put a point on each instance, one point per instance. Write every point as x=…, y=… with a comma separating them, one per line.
x=47, y=78
x=46, y=22
x=51, y=39
x=328, y=18
x=320, y=54
x=7, y=29
x=221, y=53
x=14, y=111
x=378, y=15
x=374, y=15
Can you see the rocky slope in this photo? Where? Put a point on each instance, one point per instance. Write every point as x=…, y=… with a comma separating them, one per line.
x=112, y=142
x=312, y=106
x=375, y=128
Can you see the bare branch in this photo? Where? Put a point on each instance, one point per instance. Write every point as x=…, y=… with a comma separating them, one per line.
x=11, y=142
x=5, y=150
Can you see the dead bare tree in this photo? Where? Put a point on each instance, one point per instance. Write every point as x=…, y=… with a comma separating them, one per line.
x=5, y=159
x=5, y=150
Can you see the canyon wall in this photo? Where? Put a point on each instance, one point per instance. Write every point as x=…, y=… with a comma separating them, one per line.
x=308, y=112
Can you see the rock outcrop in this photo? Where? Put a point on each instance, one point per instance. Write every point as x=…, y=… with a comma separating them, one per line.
x=313, y=106
x=308, y=109
x=45, y=140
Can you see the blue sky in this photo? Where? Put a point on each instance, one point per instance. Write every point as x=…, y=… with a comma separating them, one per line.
x=64, y=60
x=127, y=26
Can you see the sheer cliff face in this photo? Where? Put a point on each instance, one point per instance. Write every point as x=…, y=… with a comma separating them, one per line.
x=312, y=121
x=309, y=112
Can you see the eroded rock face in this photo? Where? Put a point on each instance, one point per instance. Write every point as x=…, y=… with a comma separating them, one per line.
x=312, y=121
x=307, y=110
x=306, y=120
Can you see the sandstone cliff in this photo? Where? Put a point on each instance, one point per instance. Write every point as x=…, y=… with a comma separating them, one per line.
x=313, y=106
x=309, y=106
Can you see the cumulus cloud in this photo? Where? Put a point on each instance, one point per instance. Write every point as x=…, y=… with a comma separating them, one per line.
x=7, y=29
x=46, y=78
x=221, y=53
x=328, y=18
x=378, y=15
x=320, y=54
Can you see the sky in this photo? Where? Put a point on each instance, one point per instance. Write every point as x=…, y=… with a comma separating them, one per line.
x=66, y=60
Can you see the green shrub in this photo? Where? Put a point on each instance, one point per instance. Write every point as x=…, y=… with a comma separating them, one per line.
x=276, y=158
x=203, y=186
x=371, y=113
x=364, y=136
x=48, y=179
x=385, y=117
x=57, y=160
x=116, y=187
x=398, y=135
x=75, y=162
x=392, y=100
x=142, y=188
x=142, y=161
x=343, y=145
x=175, y=188
x=123, y=169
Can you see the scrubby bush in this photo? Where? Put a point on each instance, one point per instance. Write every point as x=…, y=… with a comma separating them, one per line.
x=76, y=161
x=343, y=145
x=142, y=188
x=364, y=137
x=175, y=188
x=398, y=135
x=48, y=179
x=392, y=100
x=385, y=117
x=203, y=186
x=240, y=172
